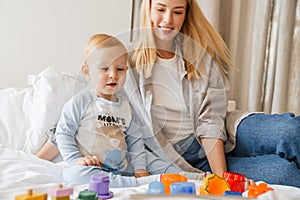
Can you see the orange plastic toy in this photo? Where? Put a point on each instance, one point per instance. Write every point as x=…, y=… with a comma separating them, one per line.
x=236, y=181
x=168, y=179
x=256, y=190
x=31, y=196
x=214, y=185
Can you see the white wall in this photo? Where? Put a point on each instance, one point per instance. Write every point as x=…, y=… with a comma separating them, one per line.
x=35, y=34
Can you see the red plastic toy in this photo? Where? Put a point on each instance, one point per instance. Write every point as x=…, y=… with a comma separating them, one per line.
x=236, y=181
x=256, y=190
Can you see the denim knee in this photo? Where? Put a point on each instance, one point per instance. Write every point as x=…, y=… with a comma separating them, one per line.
x=292, y=126
x=269, y=133
x=287, y=124
x=289, y=139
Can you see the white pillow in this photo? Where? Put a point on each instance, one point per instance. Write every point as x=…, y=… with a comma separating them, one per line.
x=51, y=90
x=14, y=118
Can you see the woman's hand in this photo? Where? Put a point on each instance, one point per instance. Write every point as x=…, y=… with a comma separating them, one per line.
x=89, y=161
x=249, y=182
x=140, y=173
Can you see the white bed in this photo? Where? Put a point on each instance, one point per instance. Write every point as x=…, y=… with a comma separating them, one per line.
x=25, y=115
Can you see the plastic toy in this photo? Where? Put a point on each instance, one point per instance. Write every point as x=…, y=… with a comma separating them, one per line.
x=183, y=188
x=230, y=193
x=214, y=185
x=100, y=184
x=31, y=196
x=60, y=193
x=155, y=187
x=168, y=179
x=256, y=190
x=236, y=181
x=87, y=195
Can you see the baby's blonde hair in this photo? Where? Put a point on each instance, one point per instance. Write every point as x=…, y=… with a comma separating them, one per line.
x=197, y=38
x=101, y=41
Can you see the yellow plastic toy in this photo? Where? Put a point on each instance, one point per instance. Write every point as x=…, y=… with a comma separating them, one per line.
x=214, y=185
x=31, y=196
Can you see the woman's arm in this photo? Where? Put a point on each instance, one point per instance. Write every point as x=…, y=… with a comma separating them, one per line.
x=214, y=150
x=210, y=121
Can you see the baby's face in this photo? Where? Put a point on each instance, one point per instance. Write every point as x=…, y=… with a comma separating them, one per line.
x=107, y=70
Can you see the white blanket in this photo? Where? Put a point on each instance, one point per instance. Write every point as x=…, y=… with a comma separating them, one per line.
x=20, y=171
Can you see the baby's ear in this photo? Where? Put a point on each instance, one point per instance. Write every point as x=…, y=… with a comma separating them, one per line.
x=85, y=71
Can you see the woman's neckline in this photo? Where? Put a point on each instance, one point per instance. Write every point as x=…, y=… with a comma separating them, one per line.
x=165, y=50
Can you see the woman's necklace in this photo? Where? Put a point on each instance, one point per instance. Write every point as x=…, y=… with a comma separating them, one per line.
x=165, y=54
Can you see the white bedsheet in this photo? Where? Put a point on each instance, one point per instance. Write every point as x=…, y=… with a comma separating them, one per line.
x=20, y=171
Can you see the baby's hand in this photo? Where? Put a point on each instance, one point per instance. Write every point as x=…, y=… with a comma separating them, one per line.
x=140, y=173
x=88, y=161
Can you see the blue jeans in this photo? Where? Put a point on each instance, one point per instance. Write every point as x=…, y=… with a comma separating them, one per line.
x=267, y=149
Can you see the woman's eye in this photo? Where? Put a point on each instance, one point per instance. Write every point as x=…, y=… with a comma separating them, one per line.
x=178, y=12
x=103, y=68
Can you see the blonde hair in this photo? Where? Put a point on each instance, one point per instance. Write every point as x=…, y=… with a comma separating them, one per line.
x=101, y=41
x=197, y=37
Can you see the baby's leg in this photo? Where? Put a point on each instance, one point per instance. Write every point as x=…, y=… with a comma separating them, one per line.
x=82, y=175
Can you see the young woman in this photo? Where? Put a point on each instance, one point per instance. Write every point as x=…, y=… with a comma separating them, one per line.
x=179, y=84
